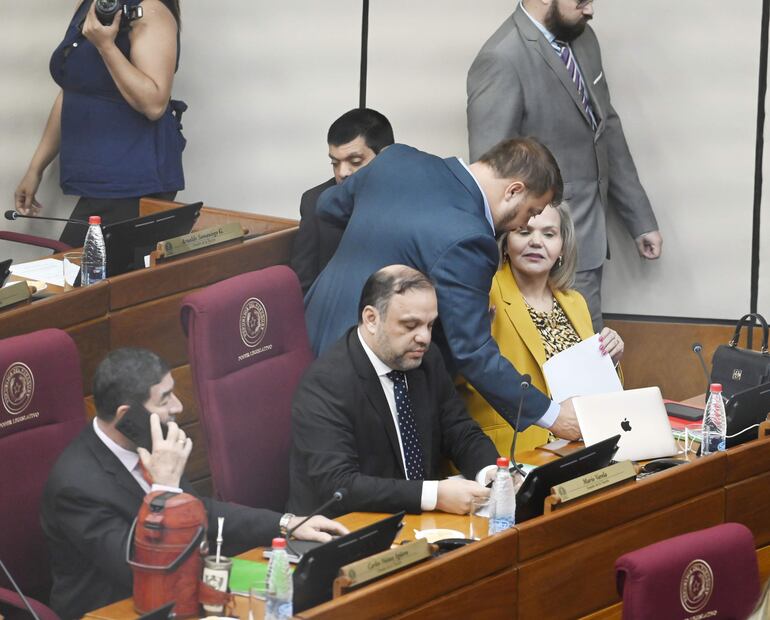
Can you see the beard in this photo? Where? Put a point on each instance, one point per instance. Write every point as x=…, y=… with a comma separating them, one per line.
x=397, y=360
x=562, y=29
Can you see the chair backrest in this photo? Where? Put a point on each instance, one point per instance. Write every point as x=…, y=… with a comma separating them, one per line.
x=248, y=348
x=41, y=411
x=709, y=573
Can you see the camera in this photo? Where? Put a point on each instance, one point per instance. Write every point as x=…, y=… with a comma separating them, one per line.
x=107, y=9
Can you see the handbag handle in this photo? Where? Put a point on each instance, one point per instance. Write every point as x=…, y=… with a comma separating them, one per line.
x=745, y=320
x=199, y=537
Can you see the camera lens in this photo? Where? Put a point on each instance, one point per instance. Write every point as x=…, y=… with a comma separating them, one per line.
x=106, y=9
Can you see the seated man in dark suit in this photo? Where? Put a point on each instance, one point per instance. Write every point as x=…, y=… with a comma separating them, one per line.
x=354, y=140
x=377, y=412
x=96, y=487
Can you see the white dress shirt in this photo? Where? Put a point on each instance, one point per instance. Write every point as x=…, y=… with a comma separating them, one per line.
x=429, y=496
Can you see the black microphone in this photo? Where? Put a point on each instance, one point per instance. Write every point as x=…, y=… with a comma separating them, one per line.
x=13, y=215
x=19, y=592
x=525, y=381
x=697, y=349
x=337, y=496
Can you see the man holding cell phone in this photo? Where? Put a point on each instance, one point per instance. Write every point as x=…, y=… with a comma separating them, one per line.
x=96, y=487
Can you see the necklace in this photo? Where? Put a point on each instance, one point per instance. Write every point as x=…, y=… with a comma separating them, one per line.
x=537, y=306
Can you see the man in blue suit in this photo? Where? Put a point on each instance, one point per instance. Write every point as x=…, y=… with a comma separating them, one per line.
x=441, y=216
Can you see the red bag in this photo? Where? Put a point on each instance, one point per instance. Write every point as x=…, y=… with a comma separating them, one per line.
x=169, y=541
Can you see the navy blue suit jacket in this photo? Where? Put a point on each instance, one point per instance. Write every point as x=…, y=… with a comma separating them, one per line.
x=409, y=207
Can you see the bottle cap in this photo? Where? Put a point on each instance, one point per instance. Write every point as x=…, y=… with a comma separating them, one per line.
x=94, y=219
x=502, y=462
x=279, y=543
x=715, y=387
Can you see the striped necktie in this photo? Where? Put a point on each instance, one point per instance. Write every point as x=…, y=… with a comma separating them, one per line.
x=410, y=440
x=565, y=53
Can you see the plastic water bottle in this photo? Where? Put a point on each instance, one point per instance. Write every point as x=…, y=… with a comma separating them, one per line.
x=94, y=264
x=504, y=497
x=280, y=587
x=714, y=422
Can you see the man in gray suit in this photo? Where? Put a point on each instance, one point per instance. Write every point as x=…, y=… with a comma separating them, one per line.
x=541, y=75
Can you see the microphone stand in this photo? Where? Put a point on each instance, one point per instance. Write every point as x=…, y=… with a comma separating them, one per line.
x=525, y=381
x=697, y=348
x=14, y=215
x=19, y=592
x=337, y=496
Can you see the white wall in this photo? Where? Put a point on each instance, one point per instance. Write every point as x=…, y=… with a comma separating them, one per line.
x=685, y=84
x=264, y=80
x=688, y=108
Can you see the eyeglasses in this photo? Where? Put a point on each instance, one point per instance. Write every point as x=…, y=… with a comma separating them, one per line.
x=583, y=4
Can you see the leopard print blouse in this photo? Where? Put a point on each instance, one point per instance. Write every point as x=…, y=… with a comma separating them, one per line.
x=556, y=332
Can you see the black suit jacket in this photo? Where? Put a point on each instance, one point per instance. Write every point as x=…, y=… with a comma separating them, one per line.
x=344, y=435
x=316, y=239
x=88, y=505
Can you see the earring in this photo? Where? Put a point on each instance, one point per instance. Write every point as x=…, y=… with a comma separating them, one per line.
x=559, y=261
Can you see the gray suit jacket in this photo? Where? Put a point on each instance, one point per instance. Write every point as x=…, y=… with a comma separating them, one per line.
x=518, y=86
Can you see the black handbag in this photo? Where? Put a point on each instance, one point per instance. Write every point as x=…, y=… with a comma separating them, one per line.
x=741, y=369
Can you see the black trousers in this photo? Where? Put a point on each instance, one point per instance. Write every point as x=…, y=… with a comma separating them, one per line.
x=111, y=210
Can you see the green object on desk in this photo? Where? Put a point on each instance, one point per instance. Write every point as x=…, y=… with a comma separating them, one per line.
x=244, y=574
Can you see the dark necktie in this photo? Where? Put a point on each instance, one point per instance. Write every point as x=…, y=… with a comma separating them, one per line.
x=568, y=59
x=410, y=440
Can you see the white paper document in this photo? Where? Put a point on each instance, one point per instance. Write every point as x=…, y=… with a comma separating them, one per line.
x=581, y=370
x=48, y=270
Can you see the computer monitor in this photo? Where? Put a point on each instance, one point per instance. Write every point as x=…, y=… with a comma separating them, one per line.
x=5, y=270
x=316, y=571
x=530, y=498
x=129, y=241
x=744, y=410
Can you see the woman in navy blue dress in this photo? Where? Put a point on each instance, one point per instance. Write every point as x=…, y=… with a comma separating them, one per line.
x=114, y=125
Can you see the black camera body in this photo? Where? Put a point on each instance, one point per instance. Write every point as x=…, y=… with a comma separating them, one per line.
x=106, y=10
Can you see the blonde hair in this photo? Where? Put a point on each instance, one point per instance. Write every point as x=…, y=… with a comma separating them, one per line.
x=562, y=276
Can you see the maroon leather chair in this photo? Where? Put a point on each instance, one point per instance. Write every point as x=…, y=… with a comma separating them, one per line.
x=41, y=242
x=41, y=411
x=248, y=349
x=709, y=573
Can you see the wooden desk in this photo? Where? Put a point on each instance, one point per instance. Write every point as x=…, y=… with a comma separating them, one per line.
x=141, y=309
x=561, y=565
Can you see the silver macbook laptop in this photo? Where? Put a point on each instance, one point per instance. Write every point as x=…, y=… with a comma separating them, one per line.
x=639, y=416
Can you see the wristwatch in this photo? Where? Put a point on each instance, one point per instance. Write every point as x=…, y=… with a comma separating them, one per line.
x=283, y=524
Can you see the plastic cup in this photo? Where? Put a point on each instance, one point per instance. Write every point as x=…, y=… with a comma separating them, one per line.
x=257, y=593
x=482, y=509
x=71, y=263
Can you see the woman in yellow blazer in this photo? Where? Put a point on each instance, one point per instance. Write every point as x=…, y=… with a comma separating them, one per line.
x=535, y=314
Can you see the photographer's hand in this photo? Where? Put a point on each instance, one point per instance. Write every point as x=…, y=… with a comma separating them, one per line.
x=100, y=35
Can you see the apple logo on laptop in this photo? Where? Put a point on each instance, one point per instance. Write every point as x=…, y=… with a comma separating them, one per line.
x=625, y=425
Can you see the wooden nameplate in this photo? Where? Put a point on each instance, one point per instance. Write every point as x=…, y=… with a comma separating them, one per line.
x=14, y=294
x=764, y=428
x=198, y=240
x=590, y=483
x=389, y=561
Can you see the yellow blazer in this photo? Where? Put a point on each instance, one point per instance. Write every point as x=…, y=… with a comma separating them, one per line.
x=520, y=344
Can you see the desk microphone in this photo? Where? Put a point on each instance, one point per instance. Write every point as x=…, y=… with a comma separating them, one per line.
x=525, y=381
x=14, y=215
x=337, y=496
x=697, y=348
x=19, y=592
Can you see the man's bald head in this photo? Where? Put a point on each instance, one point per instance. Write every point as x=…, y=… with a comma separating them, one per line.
x=392, y=280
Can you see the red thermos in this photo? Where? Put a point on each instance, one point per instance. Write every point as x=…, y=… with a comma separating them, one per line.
x=168, y=538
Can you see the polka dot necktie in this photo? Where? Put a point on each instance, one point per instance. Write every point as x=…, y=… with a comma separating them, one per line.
x=406, y=424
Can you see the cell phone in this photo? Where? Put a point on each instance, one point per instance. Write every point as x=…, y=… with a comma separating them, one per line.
x=686, y=412
x=135, y=425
